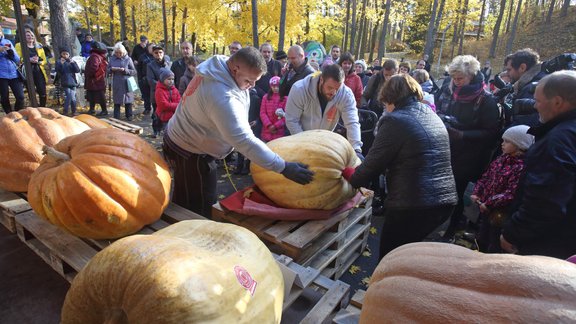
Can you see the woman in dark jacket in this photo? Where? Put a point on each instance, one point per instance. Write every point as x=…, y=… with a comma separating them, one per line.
x=413, y=149
x=95, y=78
x=472, y=119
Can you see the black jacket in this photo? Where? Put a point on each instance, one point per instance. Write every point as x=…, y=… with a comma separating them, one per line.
x=67, y=73
x=523, y=101
x=299, y=73
x=412, y=148
x=545, y=223
x=178, y=68
x=274, y=68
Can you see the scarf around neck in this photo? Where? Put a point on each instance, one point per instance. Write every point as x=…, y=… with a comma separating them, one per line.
x=470, y=92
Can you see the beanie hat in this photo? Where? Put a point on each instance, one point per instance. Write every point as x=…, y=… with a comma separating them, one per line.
x=275, y=81
x=143, y=38
x=518, y=136
x=165, y=74
x=363, y=63
x=280, y=55
x=64, y=49
x=98, y=46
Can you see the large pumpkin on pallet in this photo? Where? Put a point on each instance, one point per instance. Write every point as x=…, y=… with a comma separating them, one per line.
x=22, y=135
x=92, y=121
x=445, y=283
x=101, y=184
x=195, y=271
x=327, y=154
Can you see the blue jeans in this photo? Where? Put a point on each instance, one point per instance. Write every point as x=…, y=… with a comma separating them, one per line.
x=18, y=91
x=69, y=99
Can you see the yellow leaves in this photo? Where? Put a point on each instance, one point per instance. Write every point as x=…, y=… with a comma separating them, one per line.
x=367, y=254
x=247, y=193
x=366, y=281
x=373, y=230
x=354, y=269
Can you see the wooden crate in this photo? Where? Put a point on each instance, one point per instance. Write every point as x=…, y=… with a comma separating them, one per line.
x=330, y=245
x=11, y=204
x=351, y=314
x=124, y=125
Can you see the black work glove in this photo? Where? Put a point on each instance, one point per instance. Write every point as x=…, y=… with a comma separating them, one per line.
x=360, y=156
x=298, y=172
x=455, y=134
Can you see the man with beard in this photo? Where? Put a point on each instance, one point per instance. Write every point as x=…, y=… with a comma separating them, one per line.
x=274, y=69
x=319, y=100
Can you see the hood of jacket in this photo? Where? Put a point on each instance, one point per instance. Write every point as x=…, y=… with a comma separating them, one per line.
x=215, y=68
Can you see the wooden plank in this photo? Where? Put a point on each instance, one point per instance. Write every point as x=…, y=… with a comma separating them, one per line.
x=123, y=125
x=281, y=229
x=158, y=225
x=358, y=298
x=11, y=205
x=331, y=301
x=347, y=316
x=174, y=213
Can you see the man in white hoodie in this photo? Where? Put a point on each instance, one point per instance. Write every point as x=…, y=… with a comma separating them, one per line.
x=212, y=120
x=319, y=100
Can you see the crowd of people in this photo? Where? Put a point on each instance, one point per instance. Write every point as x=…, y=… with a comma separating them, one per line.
x=516, y=146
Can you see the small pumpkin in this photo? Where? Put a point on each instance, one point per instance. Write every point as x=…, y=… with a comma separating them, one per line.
x=22, y=135
x=446, y=283
x=195, y=271
x=327, y=154
x=101, y=184
x=92, y=121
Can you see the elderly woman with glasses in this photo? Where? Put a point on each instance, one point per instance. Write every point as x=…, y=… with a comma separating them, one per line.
x=121, y=67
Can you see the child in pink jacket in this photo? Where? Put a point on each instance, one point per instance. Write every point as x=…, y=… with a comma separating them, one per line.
x=272, y=112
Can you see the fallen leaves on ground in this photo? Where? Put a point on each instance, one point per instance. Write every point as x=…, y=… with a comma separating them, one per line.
x=365, y=281
x=373, y=230
x=354, y=269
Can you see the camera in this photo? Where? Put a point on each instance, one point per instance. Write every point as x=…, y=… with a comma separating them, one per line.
x=504, y=88
x=566, y=61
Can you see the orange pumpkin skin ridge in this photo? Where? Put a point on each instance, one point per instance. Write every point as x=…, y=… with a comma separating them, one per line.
x=113, y=185
x=327, y=154
x=445, y=283
x=183, y=273
x=22, y=135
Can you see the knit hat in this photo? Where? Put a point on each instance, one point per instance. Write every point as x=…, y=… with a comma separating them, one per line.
x=275, y=81
x=64, y=49
x=363, y=63
x=98, y=46
x=165, y=74
x=143, y=38
x=280, y=55
x=517, y=135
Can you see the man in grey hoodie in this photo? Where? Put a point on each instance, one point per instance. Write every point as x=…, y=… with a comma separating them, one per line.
x=211, y=120
x=319, y=100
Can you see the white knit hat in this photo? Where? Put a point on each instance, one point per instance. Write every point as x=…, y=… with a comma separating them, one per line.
x=517, y=135
x=363, y=63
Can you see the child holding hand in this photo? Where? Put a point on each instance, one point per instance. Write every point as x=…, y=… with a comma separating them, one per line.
x=272, y=112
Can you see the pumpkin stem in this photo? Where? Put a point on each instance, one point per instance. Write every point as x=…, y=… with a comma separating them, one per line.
x=47, y=150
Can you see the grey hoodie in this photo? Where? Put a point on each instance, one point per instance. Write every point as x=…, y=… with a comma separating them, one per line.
x=212, y=118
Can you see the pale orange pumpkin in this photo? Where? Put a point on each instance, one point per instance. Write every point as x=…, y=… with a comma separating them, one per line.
x=446, y=283
x=103, y=183
x=195, y=271
x=327, y=154
x=92, y=121
x=23, y=133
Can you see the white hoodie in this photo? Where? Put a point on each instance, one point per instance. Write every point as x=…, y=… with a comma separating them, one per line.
x=212, y=117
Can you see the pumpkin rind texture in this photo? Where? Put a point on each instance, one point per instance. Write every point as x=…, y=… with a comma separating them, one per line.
x=327, y=154
x=92, y=122
x=445, y=283
x=22, y=135
x=113, y=185
x=184, y=273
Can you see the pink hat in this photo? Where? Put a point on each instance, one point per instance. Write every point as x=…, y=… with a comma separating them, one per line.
x=275, y=81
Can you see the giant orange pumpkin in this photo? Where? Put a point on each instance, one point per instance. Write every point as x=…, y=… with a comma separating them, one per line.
x=195, y=271
x=22, y=135
x=92, y=121
x=103, y=183
x=327, y=154
x=445, y=283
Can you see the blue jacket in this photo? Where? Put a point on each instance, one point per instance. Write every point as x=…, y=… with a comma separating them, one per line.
x=8, y=59
x=544, y=223
x=66, y=71
x=86, y=47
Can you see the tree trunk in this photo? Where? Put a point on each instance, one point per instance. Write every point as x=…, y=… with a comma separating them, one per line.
x=481, y=24
x=373, y=36
x=353, y=26
x=165, y=22
x=122, y=14
x=111, y=12
x=346, y=25
x=365, y=38
x=88, y=24
x=194, y=42
x=255, y=41
x=362, y=37
x=514, y=27
x=382, y=43
x=173, y=28
x=307, y=25
x=463, y=28
x=183, y=34
x=134, y=31
x=282, y=25
x=439, y=16
x=564, y=11
x=431, y=33
x=497, y=29
x=98, y=28
x=509, y=17
x=550, y=10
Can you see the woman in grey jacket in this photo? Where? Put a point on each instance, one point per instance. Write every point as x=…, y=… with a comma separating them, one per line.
x=413, y=150
x=121, y=67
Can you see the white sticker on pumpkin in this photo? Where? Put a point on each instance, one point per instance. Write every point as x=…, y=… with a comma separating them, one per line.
x=245, y=279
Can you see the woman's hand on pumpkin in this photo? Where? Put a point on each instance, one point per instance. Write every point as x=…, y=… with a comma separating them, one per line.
x=298, y=172
x=507, y=246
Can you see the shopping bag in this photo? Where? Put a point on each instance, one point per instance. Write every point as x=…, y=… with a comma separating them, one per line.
x=132, y=84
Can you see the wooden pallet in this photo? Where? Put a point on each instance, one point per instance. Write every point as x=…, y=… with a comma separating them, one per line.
x=351, y=314
x=330, y=245
x=123, y=125
x=334, y=295
x=11, y=204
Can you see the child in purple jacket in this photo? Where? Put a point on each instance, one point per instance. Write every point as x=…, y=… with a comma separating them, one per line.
x=495, y=190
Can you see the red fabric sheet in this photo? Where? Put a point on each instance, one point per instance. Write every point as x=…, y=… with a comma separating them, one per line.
x=257, y=204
